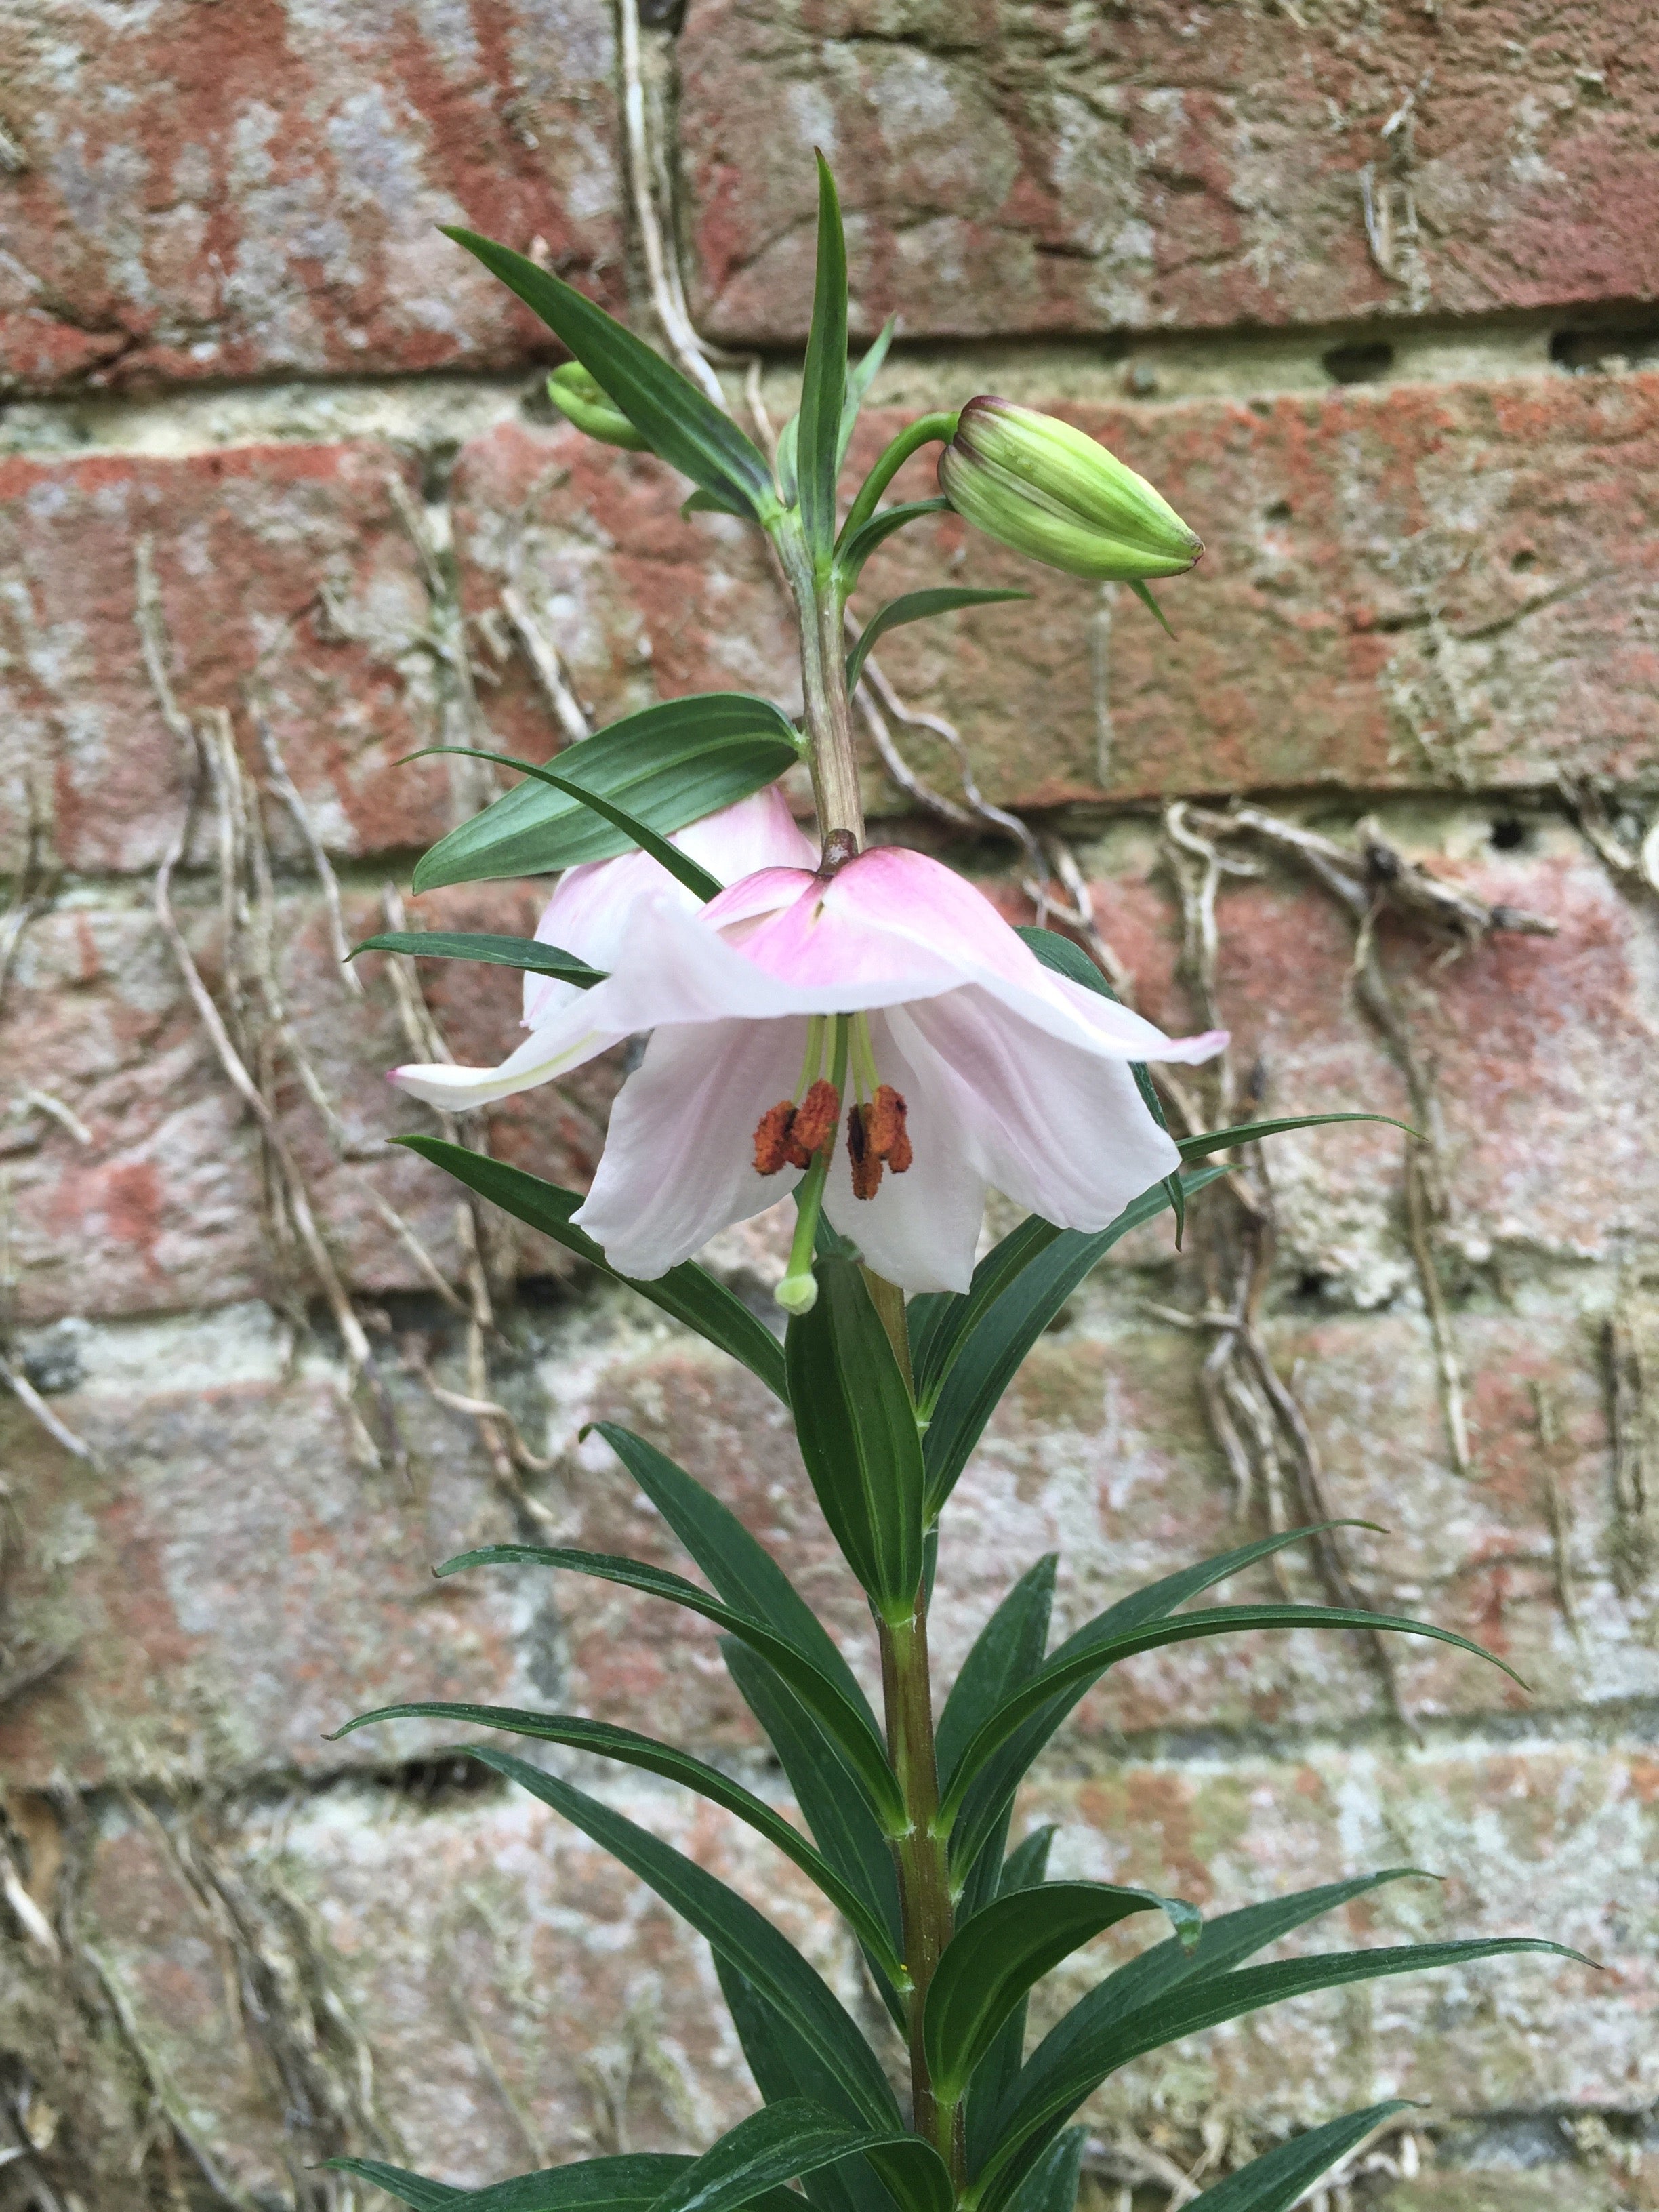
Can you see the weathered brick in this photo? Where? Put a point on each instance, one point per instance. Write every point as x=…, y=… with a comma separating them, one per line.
x=163, y=1206
x=256, y=191
x=1009, y=166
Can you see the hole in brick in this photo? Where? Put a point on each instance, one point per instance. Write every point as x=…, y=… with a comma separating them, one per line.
x=1524, y=560
x=1278, y=512
x=1508, y=836
x=663, y=15
x=1310, y=1284
x=1580, y=351
x=1357, y=364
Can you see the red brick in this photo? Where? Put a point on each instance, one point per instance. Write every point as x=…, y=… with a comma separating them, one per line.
x=1012, y=166
x=255, y=191
x=163, y=1206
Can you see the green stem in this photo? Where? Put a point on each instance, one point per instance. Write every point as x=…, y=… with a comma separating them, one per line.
x=923, y=1864
x=818, y=602
x=925, y=430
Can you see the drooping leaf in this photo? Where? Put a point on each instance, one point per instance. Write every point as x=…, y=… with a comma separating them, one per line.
x=989, y=1965
x=916, y=606
x=881, y=525
x=627, y=2184
x=859, y=381
x=1051, y=2184
x=683, y=869
x=1098, y=1652
x=408, y=2188
x=857, y=1431
x=823, y=386
x=688, y=1292
x=843, y=1826
x=679, y=423
x=739, y=1566
x=732, y=1926
x=1024, y=1868
x=1281, y=2177
x=668, y=765
x=1252, y=1133
x=857, y=1745
x=525, y=952
x=604, y=1741
x=990, y=1353
x=1048, y=2090
x=786, y=2141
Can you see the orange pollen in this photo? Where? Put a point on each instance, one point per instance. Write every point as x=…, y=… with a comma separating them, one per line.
x=816, y=1117
x=886, y=1129
x=772, y=1145
x=866, y=1161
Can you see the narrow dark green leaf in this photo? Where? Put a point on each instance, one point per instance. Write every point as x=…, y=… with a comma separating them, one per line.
x=1143, y=591
x=883, y=523
x=738, y=1564
x=684, y=870
x=857, y=1744
x=785, y=2065
x=990, y=1966
x=824, y=387
x=859, y=381
x=1047, y=2091
x=1065, y=958
x=843, y=1826
x=627, y=2184
x=916, y=606
x=1051, y=2184
x=605, y=1741
x=1096, y=1654
x=683, y=427
x=669, y=764
x=989, y=1354
x=1277, y=2179
x=408, y=2188
x=688, y=1292
x=1007, y=1651
x=1024, y=1868
x=525, y=952
x=787, y=2141
x=732, y=1926
x=1252, y=1133
x=940, y=1319
x=857, y=1431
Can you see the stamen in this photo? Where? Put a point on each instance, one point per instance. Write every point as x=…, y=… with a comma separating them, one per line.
x=887, y=1130
x=866, y=1161
x=798, y=1292
x=772, y=1145
x=816, y=1117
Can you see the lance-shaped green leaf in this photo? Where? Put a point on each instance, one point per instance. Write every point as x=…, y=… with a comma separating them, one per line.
x=857, y=1431
x=989, y=1355
x=680, y=424
x=982, y=1823
x=627, y=2184
x=683, y=869
x=916, y=606
x=525, y=952
x=784, y=2142
x=989, y=1965
x=668, y=765
x=1281, y=2177
x=1024, y=1868
x=785, y=2066
x=859, y=381
x=688, y=1292
x=738, y=1564
x=1047, y=2091
x=732, y=1926
x=632, y=1749
x=1098, y=1652
x=1007, y=1651
x=850, y=560
x=844, y=1828
x=856, y=1743
x=1051, y=2184
x=823, y=386
x=940, y=1321
x=1252, y=1133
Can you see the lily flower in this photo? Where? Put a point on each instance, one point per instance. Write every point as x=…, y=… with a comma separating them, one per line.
x=884, y=1003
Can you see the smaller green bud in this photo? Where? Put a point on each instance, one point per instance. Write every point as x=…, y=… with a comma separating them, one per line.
x=583, y=400
x=1056, y=495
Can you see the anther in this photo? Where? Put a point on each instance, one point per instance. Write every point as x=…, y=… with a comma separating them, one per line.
x=772, y=1145
x=886, y=1129
x=866, y=1161
x=816, y=1117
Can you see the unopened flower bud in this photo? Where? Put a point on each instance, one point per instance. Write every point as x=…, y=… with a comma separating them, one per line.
x=1055, y=493
x=582, y=399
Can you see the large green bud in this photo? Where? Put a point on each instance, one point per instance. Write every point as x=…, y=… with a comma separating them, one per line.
x=1055, y=493
x=582, y=399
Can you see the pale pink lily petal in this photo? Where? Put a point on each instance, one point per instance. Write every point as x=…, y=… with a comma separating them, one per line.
x=592, y=909
x=679, y=1156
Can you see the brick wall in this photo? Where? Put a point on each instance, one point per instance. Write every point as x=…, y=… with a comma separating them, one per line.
x=1370, y=290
